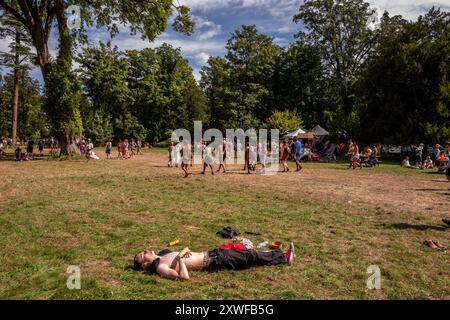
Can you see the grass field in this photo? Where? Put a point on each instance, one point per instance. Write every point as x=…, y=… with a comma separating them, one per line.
x=97, y=215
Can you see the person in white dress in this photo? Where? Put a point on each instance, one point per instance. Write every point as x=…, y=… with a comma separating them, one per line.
x=178, y=155
x=263, y=156
x=208, y=159
x=222, y=156
x=228, y=149
x=253, y=157
x=186, y=155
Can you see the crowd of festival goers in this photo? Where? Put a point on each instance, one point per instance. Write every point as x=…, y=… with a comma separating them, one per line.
x=181, y=154
x=296, y=149
x=24, y=150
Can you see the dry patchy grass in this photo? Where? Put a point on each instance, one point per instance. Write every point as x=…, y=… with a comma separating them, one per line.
x=98, y=214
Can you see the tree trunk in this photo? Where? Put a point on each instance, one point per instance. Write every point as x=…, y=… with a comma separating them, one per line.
x=15, y=106
x=64, y=62
x=63, y=141
x=61, y=86
x=15, y=100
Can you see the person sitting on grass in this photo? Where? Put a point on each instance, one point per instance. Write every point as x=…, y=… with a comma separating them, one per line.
x=18, y=154
x=428, y=163
x=406, y=164
x=176, y=265
x=442, y=157
x=373, y=160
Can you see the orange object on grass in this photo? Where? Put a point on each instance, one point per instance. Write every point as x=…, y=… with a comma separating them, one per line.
x=276, y=245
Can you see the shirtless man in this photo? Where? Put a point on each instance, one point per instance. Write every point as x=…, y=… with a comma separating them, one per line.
x=175, y=265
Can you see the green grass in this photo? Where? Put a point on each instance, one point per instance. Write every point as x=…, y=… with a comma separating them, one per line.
x=99, y=214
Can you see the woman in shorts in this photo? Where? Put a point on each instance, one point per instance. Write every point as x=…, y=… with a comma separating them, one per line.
x=108, y=148
x=285, y=153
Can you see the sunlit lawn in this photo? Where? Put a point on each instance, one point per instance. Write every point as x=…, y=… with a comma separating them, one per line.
x=97, y=215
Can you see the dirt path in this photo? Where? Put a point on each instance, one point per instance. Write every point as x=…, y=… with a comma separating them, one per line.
x=427, y=194
x=368, y=188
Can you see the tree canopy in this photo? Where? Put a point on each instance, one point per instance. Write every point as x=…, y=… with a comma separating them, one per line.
x=376, y=81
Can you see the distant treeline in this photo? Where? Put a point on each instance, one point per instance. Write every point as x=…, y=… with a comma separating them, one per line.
x=377, y=80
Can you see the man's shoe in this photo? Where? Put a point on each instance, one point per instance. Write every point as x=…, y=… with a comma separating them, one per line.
x=290, y=254
x=292, y=248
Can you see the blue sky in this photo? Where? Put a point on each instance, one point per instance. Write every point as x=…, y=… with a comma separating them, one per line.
x=217, y=19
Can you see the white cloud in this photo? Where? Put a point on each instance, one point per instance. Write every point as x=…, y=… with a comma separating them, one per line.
x=410, y=9
x=188, y=46
x=281, y=41
x=202, y=57
x=206, y=29
x=206, y=5
x=291, y=28
x=271, y=16
x=196, y=74
x=210, y=33
x=4, y=44
x=407, y=8
x=273, y=7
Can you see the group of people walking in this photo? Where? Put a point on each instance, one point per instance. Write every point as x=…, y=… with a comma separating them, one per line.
x=293, y=150
x=126, y=149
x=180, y=155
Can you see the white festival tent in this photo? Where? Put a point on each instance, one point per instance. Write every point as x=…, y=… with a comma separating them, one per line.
x=295, y=133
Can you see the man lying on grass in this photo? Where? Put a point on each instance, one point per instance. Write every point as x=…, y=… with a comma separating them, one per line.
x=175, y=265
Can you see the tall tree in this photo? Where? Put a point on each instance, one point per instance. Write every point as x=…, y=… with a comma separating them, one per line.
x=215, y=79
x=406, y=84
x=342, y=31
x=63, y=95
x=103, y=73
x=32, y=120
x=242, y=84
x=252, y=57
x=141, y=94
x=17, y=58
x=301, y=85
x=166, y=94
x=285, y=121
